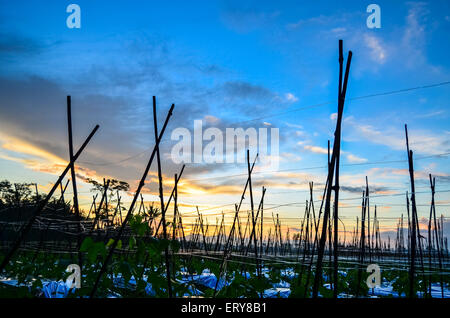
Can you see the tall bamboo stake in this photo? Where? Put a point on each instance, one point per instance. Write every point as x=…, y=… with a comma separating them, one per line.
x=27, y=227
x=413, y=220
x=200, y=218
x=362, y=240
x=161, y=196
x=97, y=215
x=262, y=221
x=336, y=150
x=130, y=210
x=253, y=210
x=175, y=197
x=170, y=198
x=336, y=183
x=438, y=246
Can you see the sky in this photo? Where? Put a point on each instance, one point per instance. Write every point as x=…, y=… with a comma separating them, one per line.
x=249, y=64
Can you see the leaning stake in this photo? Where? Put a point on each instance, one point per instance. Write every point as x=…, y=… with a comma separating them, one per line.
x=26, y=228
x=129, y=213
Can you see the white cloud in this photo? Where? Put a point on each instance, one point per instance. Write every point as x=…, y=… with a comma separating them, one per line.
x=321, y=19
x=290, y=156
x=339, y=30
x=355, y=159
x=420, y=141
x=431, y=114
x=320, y=150
x=294, y=125
x=411, y=48
x=316, y=149
x=291, y=97
x=377, y=51
x=211, y=119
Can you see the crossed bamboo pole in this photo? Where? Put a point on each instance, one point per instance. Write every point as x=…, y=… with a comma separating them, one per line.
x=25, y=229
x=130, y=210
x=334, y=164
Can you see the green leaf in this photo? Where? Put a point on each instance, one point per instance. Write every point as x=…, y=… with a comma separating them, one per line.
x=87, y=243
x=110, y=242
x=131, y=243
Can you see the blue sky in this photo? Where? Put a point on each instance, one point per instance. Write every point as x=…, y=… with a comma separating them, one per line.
x=249, y=62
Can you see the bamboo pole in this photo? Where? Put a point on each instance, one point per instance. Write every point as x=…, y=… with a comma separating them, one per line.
x=336, y=150
x=413, y=220
x=175, y=198
x=438, y=246
x=262, y=222
x=170, y=198
x=27, y=227
x=253, y=211
x=336, y=182
x=130, y=210
x=362, y=240
x=200, y=218
x=161, y=196
x=97, y=215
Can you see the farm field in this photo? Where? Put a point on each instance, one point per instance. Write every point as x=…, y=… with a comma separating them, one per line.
x=225, y=150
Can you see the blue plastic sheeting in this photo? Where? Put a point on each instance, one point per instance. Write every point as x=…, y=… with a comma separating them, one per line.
x=282, y=284
x=59, y=289
x=119, y=282
x=277, y=293
x=206, y=279
x=387, y=290
x=54, y=289
x=11, y=282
